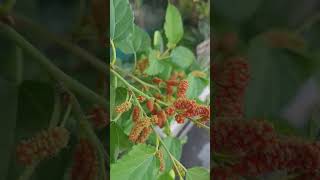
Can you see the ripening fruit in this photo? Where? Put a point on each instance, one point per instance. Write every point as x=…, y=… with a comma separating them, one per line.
x=150, y=105
x=170, y=111
x=85, y=162
x=156, y=80
x=172, y=82
x=124, y=107
x=99, y=117
x=43, y=145
x=144, y=135
x=136, y=114
x=236, y=136
x=140, y=128
x=231, y=78
x=169, y=90
x=162, y=118
x=159, y=155
x=182, y=88
x=141, y=98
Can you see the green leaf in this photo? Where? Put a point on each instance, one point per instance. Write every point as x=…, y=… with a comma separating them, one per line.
x=175, y=147
x=118, y=141
x=196, y=86
x=276, y=75
x=197, y=173
x=139, y=164
x=8, y=111
x=155, y=66
x=243, y=11
x=138, y=41
x=158, y=41
x=173, y=25
x=167, y=176
x=121, y=20
x=166, y=73
x=182, y=57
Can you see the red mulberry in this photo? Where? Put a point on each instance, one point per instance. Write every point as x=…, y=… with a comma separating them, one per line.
x=85, y=165
x=182, y=88
x=42, y=145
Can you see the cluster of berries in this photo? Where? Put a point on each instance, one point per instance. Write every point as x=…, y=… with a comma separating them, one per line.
x=159, y=155
x=141, y=129
x=258, y=151
x=124, y=107
x=231, y=78
x=183, y=107
x=42, y=145
x=85, y=162
x=99, y=117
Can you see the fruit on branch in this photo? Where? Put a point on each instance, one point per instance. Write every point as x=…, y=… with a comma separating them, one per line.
x=140, y=130
x=85, y=162
x=124, y=107
x=170, y=111
x=150, y=105
x=291, y=155
x=141, y=99
x=42, y=145
x=99, y=117
x=136, y=114
x=157, y=80
x=187, y=108
x=241, y=137
x=162, y=118
x=231, y=78
x=182, y=88
x=159, y=155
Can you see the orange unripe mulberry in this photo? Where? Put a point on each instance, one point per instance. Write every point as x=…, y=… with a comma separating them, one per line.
x=139, y=129
x=170, y=111
x=156, y=80
x=172, y=82
x=159, y=155
x=124, y=107
x=162, y=118
x=144, y=135
x=85, y=165
x=43, y=145
x=141, y=98
x=182, y=88
x=150, y=105
x=135, y=114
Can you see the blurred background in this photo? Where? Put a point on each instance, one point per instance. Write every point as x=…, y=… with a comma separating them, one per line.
x=27, y=92
x=281, y=41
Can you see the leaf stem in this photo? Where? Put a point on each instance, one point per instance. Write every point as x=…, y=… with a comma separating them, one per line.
x=173, y=159
x=138, y=80
x=59, y=75
x=135, y=89
x=114, y=52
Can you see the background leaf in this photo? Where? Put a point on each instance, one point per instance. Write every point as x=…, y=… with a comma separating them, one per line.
x=8, y=111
